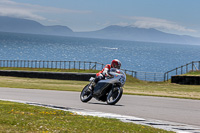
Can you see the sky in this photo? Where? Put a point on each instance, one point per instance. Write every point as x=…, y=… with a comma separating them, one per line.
x=172, y=16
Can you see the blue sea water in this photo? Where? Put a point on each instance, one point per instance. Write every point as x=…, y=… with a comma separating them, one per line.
x=137, y=56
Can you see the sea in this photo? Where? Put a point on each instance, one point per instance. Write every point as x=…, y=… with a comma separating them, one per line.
x=134, y=55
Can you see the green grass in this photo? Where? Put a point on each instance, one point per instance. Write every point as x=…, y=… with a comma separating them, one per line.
x=193, y=73
x=133, y=86
x=45, y=84
x=18, y=117
x=49, y=69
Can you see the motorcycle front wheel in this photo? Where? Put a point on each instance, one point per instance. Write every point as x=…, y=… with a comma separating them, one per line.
x=86, y=94
x=114, y=95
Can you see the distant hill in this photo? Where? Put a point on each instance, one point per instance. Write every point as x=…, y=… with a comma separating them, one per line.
x=140, y=34
x=8, y=24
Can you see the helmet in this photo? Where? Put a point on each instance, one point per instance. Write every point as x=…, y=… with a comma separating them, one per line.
x=116, y=64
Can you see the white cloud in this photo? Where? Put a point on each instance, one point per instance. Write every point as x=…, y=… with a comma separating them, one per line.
x=22, y=10
x=148, y=22
x=21, y=13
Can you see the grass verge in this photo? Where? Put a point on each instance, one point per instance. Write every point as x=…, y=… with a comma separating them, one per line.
x=192, y=73
x=18, y=117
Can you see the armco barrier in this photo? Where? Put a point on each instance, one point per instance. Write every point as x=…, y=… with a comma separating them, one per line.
x=48, y=75
x=186, y=80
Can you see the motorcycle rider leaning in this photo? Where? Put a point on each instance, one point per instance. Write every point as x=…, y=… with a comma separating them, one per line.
x=105, y=71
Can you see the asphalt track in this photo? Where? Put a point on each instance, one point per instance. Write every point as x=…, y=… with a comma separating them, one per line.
x=159, y=108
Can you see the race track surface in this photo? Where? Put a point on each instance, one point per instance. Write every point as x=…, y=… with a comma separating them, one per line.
x=168, y=109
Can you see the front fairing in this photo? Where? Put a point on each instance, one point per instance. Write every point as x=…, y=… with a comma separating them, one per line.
x=118, y=76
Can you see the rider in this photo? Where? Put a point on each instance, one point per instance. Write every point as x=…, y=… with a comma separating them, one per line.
x=104, y=72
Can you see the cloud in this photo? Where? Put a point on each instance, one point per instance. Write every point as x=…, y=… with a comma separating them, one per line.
x=148, y=22
x=22, y=10
x=19, y=13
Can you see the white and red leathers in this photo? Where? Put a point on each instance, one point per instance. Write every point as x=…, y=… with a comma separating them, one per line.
x=104, y=71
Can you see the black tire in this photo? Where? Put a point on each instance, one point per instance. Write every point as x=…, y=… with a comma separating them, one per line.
x=86, y=94
x=115, y=94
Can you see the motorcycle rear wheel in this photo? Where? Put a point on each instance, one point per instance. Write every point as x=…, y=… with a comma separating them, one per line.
x=86, y=94
x=114, y=95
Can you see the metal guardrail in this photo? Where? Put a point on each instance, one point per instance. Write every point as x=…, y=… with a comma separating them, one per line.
x=81, y=65
x=146, y=76
x=85, y=65
x=194, y=65
x=150, y=76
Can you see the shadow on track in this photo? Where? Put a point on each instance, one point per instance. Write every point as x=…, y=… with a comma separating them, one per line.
x=104, y=104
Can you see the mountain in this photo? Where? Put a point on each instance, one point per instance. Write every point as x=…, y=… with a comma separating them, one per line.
x=139, y=34
x=9, y=24
x=17, y=25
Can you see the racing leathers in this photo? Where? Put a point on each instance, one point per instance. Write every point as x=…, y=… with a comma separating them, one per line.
x=104, y=72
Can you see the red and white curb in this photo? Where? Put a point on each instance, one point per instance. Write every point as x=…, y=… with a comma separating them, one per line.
x=166, y=125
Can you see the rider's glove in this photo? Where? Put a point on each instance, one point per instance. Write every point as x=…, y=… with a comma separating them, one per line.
x=100, y=76
x=105, y=72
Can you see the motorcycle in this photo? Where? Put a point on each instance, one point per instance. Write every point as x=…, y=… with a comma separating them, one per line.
x=107, y=90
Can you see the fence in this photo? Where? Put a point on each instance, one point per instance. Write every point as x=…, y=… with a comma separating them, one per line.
x=146, y=76
x=194, y=65
x=52, y=64
x=81, y=65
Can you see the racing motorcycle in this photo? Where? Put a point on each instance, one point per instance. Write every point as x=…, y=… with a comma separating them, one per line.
x=107, y=90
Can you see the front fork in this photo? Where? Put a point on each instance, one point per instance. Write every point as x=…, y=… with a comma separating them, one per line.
x=91, y=85
x=113, y=87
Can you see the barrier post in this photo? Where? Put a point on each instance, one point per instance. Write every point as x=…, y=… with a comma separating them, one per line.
x=84, y=65
x=192, y=66
x=64, y=64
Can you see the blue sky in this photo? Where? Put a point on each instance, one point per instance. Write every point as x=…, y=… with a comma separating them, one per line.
x=173, y=16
